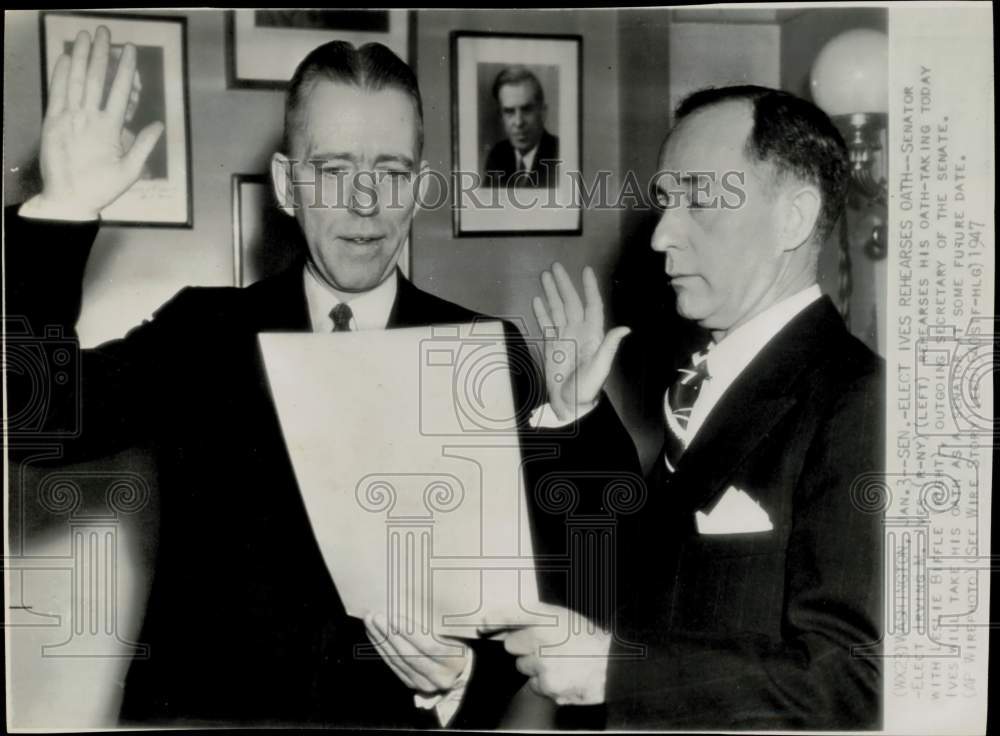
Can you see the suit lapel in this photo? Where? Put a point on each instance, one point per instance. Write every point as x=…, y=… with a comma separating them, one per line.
x=756, y=401
x=279, y=304
x=414, y=308
x=405, y=313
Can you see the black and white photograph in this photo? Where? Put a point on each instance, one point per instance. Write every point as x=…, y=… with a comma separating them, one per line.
x=162, y=196
x=516, y=104
x=592, y=369
x=265, y=45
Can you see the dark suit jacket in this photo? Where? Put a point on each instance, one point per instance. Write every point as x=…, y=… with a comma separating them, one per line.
x=755, y=631
x=243, y=623
x=501, y=164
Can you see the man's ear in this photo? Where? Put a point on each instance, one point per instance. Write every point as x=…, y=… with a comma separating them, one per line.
x=281, y=180
x=799, y=212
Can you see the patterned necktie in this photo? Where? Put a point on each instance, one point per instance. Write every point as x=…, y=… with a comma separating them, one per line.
x=341, y=316
x=677, y=405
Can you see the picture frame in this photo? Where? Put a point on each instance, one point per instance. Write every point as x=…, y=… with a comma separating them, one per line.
x=163, y=195
x=266, y=241
x=516, y=155
x=263, y=47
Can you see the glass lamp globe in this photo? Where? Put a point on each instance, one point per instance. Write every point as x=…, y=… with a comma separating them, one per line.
x=851, y=74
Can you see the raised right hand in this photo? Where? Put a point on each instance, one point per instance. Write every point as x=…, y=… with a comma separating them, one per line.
x=578, y=352
x=84, y=168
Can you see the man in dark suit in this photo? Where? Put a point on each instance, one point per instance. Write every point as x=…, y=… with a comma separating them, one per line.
x=529, y=156
x=755, y=584
x=243, y=623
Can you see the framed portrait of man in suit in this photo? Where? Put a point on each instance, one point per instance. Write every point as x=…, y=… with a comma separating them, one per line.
x=516, y=105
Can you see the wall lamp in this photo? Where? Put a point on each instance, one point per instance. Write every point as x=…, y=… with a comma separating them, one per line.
x=850, y=83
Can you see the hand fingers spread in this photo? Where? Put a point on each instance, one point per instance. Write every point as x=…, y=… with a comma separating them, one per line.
x=78, y=71
x=58, y=86
x=121, y=88
x=593, y=309
x=97, y=70
x=570, y=297
x=556, y=310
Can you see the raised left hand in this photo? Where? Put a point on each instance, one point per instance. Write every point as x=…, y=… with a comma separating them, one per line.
x=422, y=662
x=578, y=353
x=568, y=662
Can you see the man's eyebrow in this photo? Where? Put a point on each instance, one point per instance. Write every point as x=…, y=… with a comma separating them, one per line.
x=347, y=156
x=332, y=155
x=671, y=178
x=695, y=181
x=394, y=158
x=668, y=180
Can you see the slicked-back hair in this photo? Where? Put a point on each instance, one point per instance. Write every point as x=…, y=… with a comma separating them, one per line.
x=518, y=75
x=372, y=67
x=794, y=136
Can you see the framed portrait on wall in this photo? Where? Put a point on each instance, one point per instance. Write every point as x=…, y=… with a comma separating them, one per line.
x=516, y=133
x=266, y=240
x=265, y=46
x=162, y=196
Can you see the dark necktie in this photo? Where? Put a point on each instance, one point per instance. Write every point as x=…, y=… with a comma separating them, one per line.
x=341, y=316
x=677, y=405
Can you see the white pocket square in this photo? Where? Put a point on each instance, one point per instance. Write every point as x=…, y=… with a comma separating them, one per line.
x=735, y=513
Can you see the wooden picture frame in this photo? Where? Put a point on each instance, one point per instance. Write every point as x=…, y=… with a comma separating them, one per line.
x=516, y=178
x=263, y=47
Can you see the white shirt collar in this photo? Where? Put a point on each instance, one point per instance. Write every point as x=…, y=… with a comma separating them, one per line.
x=371, y=309
x=528, y=158
x=730, y=356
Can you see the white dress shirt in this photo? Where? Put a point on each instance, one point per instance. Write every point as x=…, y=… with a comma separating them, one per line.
x=370, y=311
x=728, y=358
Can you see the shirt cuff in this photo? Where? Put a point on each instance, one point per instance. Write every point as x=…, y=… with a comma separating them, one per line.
x=37, y=209
x=544, y=417
x=447, y=704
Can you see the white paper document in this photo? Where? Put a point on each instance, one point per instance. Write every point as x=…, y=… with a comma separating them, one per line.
x=406, y=453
